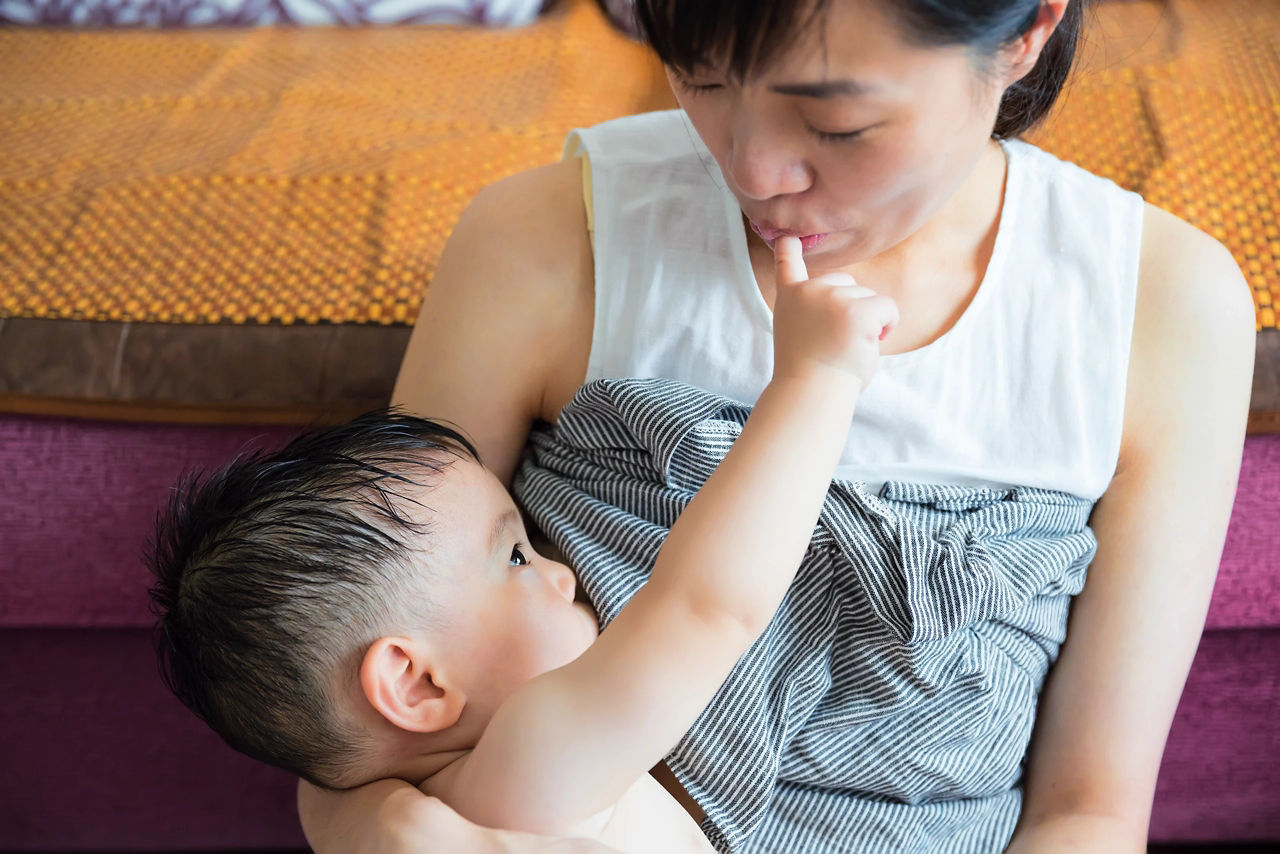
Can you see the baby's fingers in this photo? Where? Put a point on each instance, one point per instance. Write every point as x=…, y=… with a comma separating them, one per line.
x=845, y=282
x=881, y=314
x=788, y=262
x=844, y=285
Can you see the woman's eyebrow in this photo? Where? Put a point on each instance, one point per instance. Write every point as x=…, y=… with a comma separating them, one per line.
x=824, y=88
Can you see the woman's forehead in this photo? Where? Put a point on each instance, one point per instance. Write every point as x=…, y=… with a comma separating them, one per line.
x=853, y=46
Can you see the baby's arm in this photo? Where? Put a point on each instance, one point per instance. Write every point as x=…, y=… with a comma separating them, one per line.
x=570, y=742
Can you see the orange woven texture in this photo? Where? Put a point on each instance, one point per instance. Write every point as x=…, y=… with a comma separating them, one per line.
x=1180, y=101
x=284, y=176
x=277, y=175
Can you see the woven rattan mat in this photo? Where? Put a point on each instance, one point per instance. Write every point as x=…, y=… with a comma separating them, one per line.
x=277, y=175
x=311, y=176
x=1180, y=101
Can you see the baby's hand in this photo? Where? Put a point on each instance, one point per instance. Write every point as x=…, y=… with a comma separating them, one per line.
x=828, y=322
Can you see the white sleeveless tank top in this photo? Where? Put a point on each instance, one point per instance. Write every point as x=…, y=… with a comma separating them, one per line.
x=1026, y=389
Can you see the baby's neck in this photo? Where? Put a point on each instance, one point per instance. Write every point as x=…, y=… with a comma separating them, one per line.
x=444, y=767
x=419, y=770
x=417, y=757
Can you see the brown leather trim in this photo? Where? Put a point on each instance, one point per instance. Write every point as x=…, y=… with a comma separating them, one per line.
x=162, y=413
x=183, y=373
x=1264, y=405
x=193, y=374
x=1264, y=422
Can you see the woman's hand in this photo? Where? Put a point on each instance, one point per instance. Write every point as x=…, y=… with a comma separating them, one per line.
x=827, y=322
x=393, y=817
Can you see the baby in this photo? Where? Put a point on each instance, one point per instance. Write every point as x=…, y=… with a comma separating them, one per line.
x=365, y=603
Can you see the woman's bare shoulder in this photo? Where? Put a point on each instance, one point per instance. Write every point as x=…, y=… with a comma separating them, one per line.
x=552, y=191
x=1170, y=244
x=1187, y=276
x=507, y=318
x=533, y=221
x=1193, y=334
x=542, y=215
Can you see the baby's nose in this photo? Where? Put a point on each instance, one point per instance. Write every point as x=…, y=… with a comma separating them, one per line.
x=564, y=580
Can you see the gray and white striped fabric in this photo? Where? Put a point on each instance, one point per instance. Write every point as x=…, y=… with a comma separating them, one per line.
x=889, y=704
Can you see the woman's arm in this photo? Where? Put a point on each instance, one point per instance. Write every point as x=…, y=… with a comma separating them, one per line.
x=505, y=327
x=408, y=821
x=336, y=822
x=502, y=339
x=1133, y=631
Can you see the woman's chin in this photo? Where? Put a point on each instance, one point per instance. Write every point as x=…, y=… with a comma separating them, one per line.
x=835, y=250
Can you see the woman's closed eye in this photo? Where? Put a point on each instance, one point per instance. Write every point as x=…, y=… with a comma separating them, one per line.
x=517, y=557
x=699, y=88
x=695, y=88
x=838, y=136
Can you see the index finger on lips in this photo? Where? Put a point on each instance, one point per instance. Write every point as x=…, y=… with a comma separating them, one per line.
x=788, y=261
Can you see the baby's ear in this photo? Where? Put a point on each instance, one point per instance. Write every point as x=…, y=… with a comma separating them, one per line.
x=399, y=679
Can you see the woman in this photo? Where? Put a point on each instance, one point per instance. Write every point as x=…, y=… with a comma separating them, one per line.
x=875, y=130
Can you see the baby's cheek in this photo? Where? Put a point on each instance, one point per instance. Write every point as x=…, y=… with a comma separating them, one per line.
x=504, y=646
x=528, y=653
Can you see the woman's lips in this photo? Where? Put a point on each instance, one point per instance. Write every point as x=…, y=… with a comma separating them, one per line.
x=769, y=235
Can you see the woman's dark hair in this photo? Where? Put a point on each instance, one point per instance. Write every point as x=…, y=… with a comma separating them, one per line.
x=747, y=34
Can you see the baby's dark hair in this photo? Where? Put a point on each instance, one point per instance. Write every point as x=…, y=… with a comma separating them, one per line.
x=275, y=573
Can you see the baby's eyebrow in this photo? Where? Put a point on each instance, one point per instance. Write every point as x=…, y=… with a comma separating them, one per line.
x=500, y=526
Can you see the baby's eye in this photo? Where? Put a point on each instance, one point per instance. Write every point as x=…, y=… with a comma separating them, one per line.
x=517, y=557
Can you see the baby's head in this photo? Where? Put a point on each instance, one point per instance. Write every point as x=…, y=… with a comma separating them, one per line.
x=357, y=604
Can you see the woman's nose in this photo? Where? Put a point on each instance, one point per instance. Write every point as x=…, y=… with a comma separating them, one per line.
x=763, y=166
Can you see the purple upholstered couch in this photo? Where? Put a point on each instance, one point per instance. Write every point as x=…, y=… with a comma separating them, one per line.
x=97, y=756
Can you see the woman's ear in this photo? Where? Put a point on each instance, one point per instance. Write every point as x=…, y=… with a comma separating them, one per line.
x=407, y=686
x=1025, y=50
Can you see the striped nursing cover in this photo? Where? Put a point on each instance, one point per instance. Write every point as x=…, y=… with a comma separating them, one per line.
x=889, y=704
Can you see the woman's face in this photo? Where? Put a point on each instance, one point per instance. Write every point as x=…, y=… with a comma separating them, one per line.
x=852, y=139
